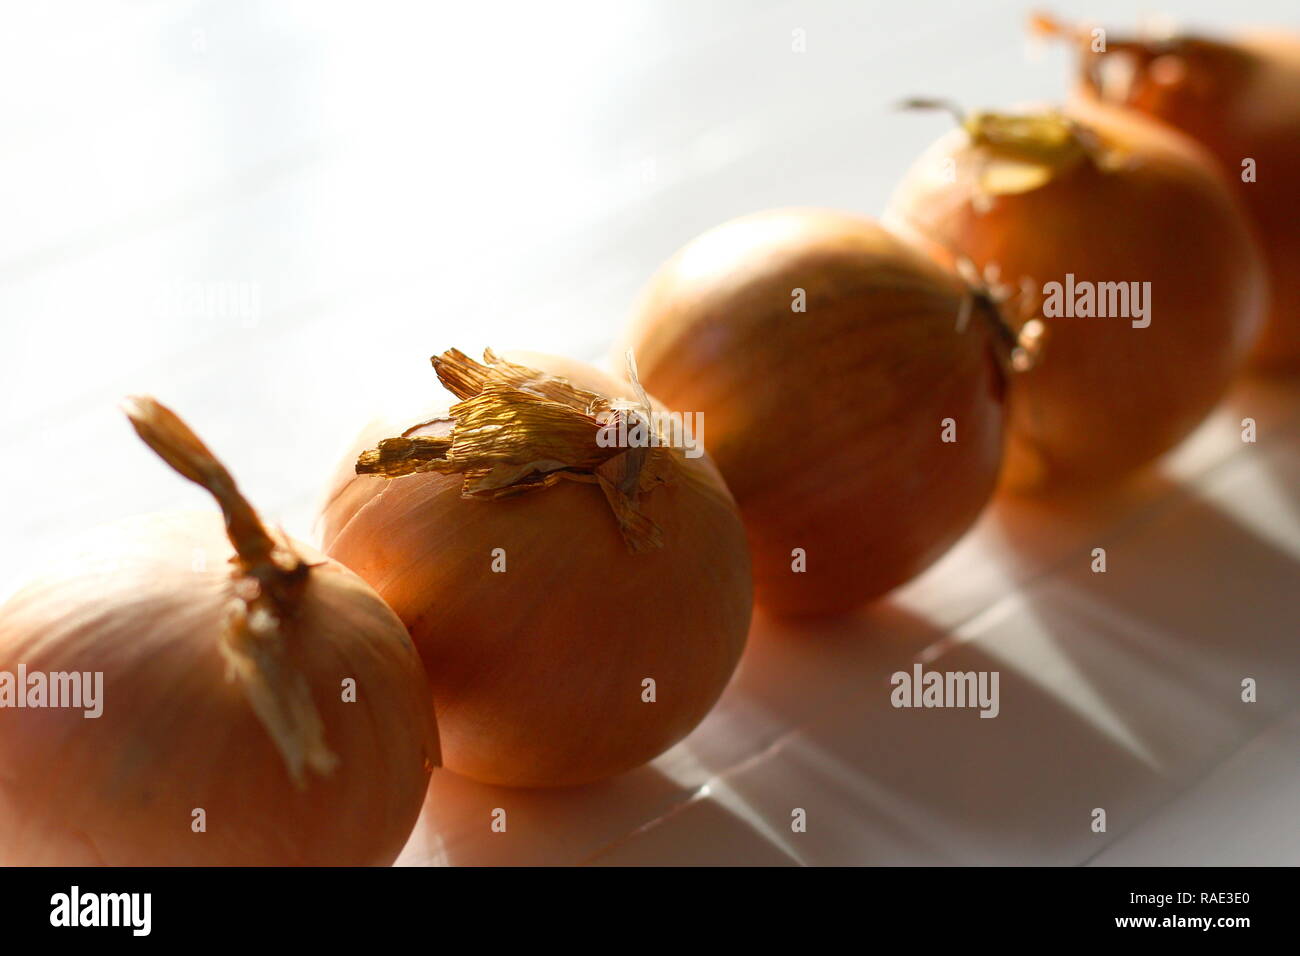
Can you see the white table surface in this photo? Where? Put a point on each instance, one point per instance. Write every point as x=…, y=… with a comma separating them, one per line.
x=388, y=180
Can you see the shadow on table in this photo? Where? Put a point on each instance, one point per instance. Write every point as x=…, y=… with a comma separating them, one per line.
x=1116, y=691
x=790, y=674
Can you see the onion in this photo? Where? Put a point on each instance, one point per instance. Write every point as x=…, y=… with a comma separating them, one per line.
x=829, y=424
x=1099, y=196
x=1241, y=99
x=224, y=735
x=544, y=578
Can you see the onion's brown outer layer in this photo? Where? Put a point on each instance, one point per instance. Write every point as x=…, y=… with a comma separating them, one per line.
x=827, y=423
x=1240, y=99
x=145, y=602
x=537, y=672
x=1106, y=397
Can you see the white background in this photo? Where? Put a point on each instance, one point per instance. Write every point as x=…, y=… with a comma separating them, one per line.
x=390, y=180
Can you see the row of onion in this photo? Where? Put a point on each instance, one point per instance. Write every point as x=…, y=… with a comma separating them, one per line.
x=505, y=591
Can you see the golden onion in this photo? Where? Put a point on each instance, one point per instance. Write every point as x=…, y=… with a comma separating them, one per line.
x=1240, y=98
x=1123, y=239
x=578, y=607
x=852, y=394
x=258, y=704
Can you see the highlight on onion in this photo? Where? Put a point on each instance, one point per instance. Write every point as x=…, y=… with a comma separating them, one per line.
x=852, y=390
x=186, y=693
x=1125, y=240
x=573, y=573
x=1238, y=97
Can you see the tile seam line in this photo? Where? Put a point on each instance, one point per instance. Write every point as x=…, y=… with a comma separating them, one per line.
x=1192, y=784
x=782, y=739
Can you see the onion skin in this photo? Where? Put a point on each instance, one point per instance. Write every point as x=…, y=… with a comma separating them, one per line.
x=827, y=424
x=1106, y=398
x=1240, y=99
x=176, y=734
x=537, y=672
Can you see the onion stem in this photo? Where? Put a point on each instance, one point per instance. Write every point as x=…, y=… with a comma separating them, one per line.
x=255, y=642
x=174, y=442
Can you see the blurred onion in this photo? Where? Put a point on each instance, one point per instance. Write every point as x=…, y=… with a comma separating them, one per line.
x=1105, y=196
x=1240, y=98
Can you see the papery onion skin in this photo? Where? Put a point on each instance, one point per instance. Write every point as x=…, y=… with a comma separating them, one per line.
x=1241, y=99
x=537, y=671
x=827, y=424
x=1106, y=398
x=176, y=735
x=146, y=602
